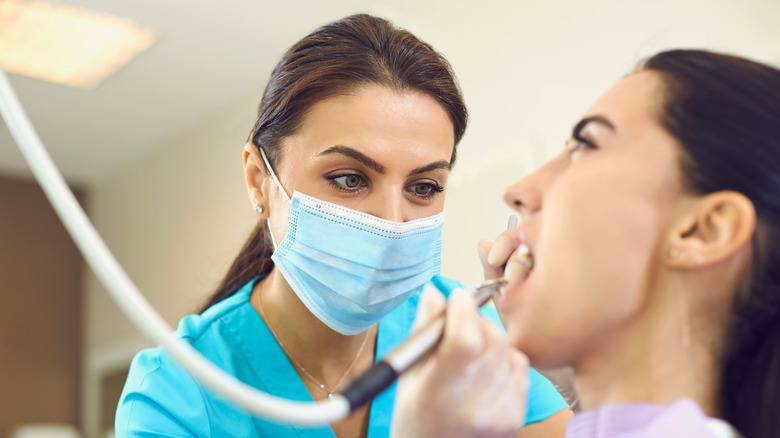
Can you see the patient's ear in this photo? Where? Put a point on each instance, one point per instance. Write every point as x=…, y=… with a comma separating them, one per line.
x=716, y=227
x=256, y=178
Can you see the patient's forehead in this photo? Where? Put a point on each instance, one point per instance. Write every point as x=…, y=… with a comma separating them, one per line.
x=634, y=103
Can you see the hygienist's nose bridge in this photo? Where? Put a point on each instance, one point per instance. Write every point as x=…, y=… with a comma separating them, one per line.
x=388, y=206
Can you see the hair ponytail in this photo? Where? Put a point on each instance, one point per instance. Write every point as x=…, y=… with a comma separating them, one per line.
x=252, y=261
x=725, y=112
x=751, y=361
x=751, y=387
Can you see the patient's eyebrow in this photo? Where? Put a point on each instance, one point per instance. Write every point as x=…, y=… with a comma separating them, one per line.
x=575, y=132
x=355, y=155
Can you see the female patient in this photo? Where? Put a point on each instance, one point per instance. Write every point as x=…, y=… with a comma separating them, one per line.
x=346, y=168
x=648, y=259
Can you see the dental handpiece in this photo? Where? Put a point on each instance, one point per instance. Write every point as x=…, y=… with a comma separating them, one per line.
x=383, y=373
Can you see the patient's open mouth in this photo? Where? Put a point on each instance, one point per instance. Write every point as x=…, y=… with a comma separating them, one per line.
x=519, y=266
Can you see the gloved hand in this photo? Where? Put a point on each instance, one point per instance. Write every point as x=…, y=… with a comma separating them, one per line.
x=506, y=258
x=473, y=385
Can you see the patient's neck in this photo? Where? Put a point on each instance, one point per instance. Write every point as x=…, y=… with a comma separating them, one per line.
x=649, y=360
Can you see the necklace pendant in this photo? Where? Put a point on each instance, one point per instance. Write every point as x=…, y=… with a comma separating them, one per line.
x=330, y=395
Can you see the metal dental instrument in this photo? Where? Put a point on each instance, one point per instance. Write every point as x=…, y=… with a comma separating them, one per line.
x=383, y=373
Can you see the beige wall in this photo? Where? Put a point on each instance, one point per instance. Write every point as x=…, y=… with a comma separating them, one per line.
x=174, y=220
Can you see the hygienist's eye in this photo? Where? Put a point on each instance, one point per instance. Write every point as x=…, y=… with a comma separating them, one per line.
x=347, y=182
x=425, y=190
x=350, y=181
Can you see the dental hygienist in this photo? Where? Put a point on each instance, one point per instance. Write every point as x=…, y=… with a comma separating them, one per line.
x=346, y=168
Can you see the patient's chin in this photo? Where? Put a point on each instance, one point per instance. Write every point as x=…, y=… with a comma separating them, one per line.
x=543, y=352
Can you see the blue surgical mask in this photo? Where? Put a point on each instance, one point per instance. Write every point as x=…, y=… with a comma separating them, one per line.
x=350, y=268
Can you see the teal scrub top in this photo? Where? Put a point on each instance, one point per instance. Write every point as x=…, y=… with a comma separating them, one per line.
x=161, y=399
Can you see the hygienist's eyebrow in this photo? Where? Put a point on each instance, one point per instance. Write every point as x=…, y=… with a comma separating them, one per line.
x=433, y=166
x=355, y=155
x=592, y=119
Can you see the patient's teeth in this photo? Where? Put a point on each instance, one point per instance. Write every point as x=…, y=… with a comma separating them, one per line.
x=527, y=260
x=525, y=255
x=523, y=249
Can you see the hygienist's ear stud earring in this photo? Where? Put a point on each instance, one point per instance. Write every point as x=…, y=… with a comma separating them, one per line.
x=259, y=209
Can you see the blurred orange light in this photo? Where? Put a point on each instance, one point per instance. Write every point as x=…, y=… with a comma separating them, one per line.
x=67, y=45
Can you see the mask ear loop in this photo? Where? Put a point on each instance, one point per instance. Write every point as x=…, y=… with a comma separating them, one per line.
x=279, y=184
x=273, y=174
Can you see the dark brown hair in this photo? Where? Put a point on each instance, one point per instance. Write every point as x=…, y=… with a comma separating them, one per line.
x=725, y=112
x=334, y=60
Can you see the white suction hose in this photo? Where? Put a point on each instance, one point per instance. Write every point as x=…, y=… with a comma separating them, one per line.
x=127, y=296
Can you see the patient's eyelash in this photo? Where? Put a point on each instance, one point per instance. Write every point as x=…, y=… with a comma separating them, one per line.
x=577, y=141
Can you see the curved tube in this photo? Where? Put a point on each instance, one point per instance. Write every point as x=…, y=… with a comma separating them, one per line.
x=127, y=296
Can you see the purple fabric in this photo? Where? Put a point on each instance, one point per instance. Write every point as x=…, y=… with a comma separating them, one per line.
x=684, y=418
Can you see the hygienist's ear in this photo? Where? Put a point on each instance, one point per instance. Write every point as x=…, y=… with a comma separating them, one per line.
x=719, y=226
x=257, y=179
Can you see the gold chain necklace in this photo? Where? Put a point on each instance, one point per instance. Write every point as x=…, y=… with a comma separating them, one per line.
x=295, y=362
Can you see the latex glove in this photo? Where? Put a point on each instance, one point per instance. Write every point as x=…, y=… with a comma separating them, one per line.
x=473, y=385
x=504, y=257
